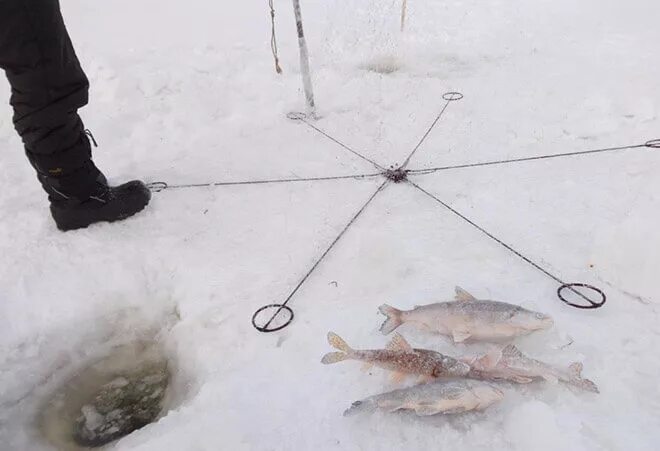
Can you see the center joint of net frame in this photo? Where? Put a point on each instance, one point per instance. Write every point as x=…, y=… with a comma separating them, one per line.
x=397, y=175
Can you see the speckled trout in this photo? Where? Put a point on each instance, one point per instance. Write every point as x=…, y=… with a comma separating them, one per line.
x=512, y=365
x=446, y=397
x=399, y=357
x=468, y=318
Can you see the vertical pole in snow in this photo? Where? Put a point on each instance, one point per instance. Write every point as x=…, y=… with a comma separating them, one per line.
x=404, y=5
x=304, y=59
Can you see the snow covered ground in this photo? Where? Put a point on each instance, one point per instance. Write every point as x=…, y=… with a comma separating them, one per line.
x=185, y=92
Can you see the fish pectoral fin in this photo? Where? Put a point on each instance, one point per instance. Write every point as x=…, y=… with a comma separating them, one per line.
x=521, y=379
x=426, y=410
x=366, y=366
x=425, y=379
x=389, y=405
x=550, y=378
x=460, y=336
x=398, y=343
x=463, y=296
x=454, y=410
x=397, y=377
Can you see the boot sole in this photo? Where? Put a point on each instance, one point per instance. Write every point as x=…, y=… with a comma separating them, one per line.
x=84, y=221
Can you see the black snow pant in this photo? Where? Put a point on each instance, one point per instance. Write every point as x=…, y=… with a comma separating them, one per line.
x=47, y=88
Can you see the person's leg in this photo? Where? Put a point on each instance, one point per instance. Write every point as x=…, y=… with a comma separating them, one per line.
x=48, y=86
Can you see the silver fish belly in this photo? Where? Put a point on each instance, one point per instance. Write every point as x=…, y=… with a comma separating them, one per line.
x=445, y=397
x=469, y=318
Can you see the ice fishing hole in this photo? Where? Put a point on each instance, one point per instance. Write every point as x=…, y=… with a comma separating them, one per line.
x=584, y=298
x=272, y=317
x=654, y=144
x=384, y=65
x=452, y=96
x=122, y=392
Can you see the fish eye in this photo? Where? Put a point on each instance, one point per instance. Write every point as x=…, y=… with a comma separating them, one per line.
x=540, y=316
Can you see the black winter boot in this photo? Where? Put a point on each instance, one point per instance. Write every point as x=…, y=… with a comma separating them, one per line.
x=109, y=204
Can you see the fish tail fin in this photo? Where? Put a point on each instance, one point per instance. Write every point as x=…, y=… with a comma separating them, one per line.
x=367, y=405
x=334, y=357
x=338, y=343
x=393, y=318
x=575, y=371
x=586, y=384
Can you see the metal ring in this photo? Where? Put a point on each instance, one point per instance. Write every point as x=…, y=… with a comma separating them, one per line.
x=157, y=187
x=452, y=96
x=296, y=116
x=280, y=308
x=653, y=144
x=572, y=286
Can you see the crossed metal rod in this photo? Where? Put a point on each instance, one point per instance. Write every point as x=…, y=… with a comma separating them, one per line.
x=400, y=175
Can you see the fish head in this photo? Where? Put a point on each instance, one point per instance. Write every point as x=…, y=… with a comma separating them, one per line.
x=448, y=366
x=528, y=320
x=544, y=321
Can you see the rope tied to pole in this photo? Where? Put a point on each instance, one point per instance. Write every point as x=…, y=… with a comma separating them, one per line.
x=273, y=38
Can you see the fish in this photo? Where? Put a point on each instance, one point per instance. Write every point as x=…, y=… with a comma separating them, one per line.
x=468, y=318
x=512, y=365
x=399, y=357
x=445, y=397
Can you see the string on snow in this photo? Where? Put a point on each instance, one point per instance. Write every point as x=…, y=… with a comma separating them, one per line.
x=157, y=187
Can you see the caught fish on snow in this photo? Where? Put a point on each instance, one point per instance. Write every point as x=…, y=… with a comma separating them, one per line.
x=399, y=357
x=512, y=365
x=445, y=397
x=468, y=318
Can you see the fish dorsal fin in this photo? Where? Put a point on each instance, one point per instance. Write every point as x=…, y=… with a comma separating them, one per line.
x=511, y=351
x=575, y=369
x=463, y=296
x=398, y=343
